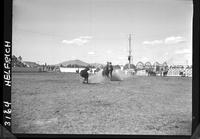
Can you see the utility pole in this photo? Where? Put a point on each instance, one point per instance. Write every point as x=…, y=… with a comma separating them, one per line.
x=129, y=57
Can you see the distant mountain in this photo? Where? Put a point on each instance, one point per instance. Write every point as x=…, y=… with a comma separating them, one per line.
x=97, y=64
x=73, y=62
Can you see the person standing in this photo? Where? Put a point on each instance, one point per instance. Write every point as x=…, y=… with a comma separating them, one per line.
x=110, y=69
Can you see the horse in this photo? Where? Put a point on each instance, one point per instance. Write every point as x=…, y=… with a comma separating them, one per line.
x=151, y=73
x=84, y=74
x=165, y=73
x=110, y=69
x=107, y=70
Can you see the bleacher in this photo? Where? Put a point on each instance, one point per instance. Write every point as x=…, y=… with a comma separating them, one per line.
x=177, y=72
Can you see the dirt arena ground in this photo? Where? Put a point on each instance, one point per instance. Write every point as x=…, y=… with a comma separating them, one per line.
x=59, y=103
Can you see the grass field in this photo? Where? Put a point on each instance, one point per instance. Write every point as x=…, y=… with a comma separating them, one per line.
x=60, y=103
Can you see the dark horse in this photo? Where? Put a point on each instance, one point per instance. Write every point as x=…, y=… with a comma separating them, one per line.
x=151, y=73
x=107, y=70
x=165, y=73
x=84, y=74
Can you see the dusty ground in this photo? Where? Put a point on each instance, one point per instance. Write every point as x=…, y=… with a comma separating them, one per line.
x=59, y=103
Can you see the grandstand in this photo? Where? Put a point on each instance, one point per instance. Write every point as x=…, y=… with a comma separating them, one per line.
x=173, y=70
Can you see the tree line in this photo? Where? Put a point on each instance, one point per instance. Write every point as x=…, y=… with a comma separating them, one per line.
x=17, y=62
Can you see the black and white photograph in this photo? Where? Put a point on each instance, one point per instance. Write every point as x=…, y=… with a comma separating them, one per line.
x=110, y=67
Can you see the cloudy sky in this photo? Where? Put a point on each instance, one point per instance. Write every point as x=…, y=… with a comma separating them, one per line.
x=96, y=31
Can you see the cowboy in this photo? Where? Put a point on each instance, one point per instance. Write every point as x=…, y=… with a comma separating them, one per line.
x=84, y=74
x=110, y=68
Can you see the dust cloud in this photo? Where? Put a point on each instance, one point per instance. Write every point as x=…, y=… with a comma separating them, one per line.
x=117, y=75
x=96, y=78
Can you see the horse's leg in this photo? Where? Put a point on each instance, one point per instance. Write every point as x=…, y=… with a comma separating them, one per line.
x=87, y=79
x=110, y=73
x=105, y=73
